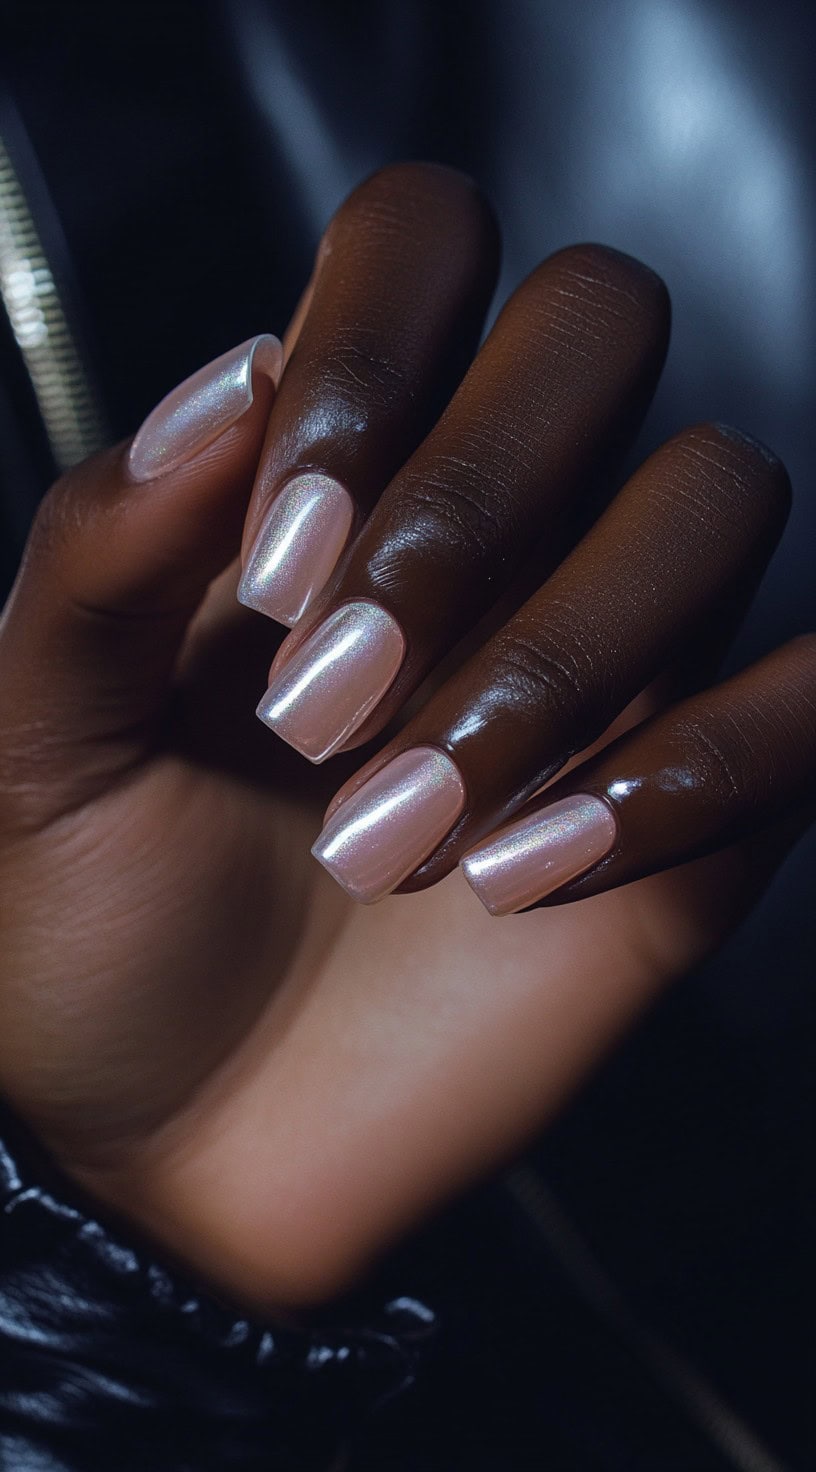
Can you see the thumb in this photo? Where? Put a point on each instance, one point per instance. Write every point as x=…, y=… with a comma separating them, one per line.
x=121, y=553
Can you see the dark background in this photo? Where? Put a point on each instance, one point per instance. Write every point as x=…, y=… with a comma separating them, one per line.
x=637, y=1294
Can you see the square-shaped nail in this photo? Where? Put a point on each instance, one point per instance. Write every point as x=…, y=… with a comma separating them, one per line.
x=384, y=831
x=305, y=530
x=202, y=408
x=328, y=687
x=537, y=854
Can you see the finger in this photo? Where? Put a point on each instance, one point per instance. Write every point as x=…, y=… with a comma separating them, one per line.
x=689, y=532
x=120, y=556
x=712, y=770
x=403, y=278
x=560, y=384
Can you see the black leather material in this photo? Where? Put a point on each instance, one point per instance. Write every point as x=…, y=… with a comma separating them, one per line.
x=110, y=1359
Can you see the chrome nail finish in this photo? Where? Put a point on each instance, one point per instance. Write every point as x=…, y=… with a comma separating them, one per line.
x=298, y=546
x=538, y=854
x=384, y=831
x=328, y=687
x=202, y=407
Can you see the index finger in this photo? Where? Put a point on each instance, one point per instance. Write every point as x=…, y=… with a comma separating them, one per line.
x=403, y=277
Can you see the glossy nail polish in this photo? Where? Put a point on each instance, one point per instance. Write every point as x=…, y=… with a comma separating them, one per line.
x=537, y=854
x=328, y=687
x=201, y=408
x=396, y=819
x=297, y=548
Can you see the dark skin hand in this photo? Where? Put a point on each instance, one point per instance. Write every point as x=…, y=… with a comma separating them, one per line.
x=203, y=1027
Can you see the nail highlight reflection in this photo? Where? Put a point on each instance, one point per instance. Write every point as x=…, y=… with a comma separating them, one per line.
x=384, y=831
x=537, y=854
x=297, y=548
x=202, y=408
x=328, y=687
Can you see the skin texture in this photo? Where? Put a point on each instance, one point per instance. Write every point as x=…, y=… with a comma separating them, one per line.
x=554, y=395
x=208, y=1034
x=698, y=521
x=711, y=770
x=379, y=351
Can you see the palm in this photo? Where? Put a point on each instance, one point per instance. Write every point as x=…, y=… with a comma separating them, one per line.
x=220, y=987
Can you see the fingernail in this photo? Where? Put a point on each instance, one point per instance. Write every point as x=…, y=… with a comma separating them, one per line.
x=396, y=819
x=298, y=546
x=334, y=680
x=202, y=407
x=536, y=855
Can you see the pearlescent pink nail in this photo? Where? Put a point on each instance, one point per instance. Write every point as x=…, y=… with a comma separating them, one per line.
x=202, y=407
x=297, y=548
x=383, y=832
x=328, y=687
x=537, y=854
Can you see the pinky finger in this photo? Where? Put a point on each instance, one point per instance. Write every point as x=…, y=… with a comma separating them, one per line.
x=704, y=774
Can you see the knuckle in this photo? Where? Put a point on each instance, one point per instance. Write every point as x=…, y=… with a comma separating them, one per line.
x=546, y=677
x=56, y=518
x=748, y=747
x=88, y=497
x=77, y=524
x=356, y=363
x=455, y=505
x=733, y=766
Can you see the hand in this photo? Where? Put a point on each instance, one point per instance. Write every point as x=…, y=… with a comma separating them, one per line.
x=205, y=1029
